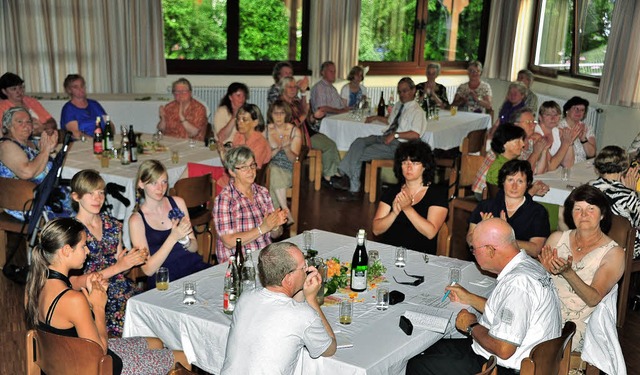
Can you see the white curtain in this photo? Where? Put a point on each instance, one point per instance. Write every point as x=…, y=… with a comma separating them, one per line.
x=620, y=82
x=510, y=28
x=108, y=42
x=334, y=35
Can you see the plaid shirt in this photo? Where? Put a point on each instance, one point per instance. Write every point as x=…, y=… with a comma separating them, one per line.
x=235, y=213
x=481, y=176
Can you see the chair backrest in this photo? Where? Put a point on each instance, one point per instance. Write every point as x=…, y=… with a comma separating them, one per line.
x=16, y=194
x=443, y=240
x=460, y=210
x=469, y=165
x=489, y=368
x=492, y=190
x=180, y=370
x=61, y=355
x=552, y=356
x=196, y=191
x=474, y=142
x=625, y=235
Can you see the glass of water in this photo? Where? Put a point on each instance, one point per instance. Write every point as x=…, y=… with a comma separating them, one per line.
x=454, y=275
x=189, y=292
x=401, y=256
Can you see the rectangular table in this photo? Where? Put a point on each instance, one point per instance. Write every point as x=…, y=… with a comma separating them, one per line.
x=379, y=346
x=80, y=156
x=445, y=133
x=559, y=190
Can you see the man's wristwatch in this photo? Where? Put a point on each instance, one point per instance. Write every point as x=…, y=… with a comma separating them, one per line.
x=396, y=135
x=470, y=328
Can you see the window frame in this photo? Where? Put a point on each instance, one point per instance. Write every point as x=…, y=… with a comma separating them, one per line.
x=555, y=73
x=419, y=64
x=233, y=65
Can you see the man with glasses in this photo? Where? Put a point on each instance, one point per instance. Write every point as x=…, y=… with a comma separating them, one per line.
x=270, y=325
x=522, y=311
x=406, y=122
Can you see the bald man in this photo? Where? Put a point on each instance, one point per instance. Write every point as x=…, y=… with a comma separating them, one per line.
x=522, y=311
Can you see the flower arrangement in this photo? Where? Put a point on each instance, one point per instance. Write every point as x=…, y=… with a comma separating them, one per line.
x=338, y=276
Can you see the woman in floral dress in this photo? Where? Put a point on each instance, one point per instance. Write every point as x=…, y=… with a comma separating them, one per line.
x=104, y=240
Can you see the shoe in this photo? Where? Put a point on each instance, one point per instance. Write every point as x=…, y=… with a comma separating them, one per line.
x=349, y=197
x=327, y=184
x=340, y=183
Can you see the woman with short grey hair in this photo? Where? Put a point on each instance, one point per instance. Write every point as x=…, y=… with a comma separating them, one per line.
x=435, y=92
x=244, y=209
x=475, y=95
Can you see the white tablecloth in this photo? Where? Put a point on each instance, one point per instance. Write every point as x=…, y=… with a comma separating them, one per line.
x=445, y=133
x=80, y=156
x=379, y=346
x=559, y=190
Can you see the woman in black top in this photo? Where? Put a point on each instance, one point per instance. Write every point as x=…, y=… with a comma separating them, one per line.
x=411, y=213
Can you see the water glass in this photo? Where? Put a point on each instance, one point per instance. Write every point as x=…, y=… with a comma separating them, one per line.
x=454, y=275
x=373, y=256
x=162, y=278
x=565, y=173
x=308, y=240
x=382, y=298
x=189, y=292
x=346, y=311
x=192, y=142
x=401, y=256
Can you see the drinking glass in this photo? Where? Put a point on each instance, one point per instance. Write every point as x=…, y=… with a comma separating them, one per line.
x=454, y=275
x=308, y=240
x=104, y=159
x=175, y=157
x=162, y=278
x=382, y=298
x=373, y=256
x=189, y=292
x=346, y=311
x=454, y=110
x=565, y=173
x=192, y=142
x=401, y=256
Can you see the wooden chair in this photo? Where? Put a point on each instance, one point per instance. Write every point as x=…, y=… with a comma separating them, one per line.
x=444, y=239
x=179, y=369
x=489, y=368
x=371, y=176
x=552, y=356
x=16, y=195
x=62, y=355
x=315, y=167
x=199, y=194
x=625, y=235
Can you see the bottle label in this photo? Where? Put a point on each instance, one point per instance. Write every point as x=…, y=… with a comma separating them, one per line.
x=359, y=278
x=134, y=154
x=229, y=303
x=97, y=147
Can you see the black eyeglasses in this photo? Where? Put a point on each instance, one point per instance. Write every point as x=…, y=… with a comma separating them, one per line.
x=418, y=279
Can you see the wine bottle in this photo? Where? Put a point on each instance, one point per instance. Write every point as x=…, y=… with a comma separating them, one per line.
x=97, y=138
x=126, y=148
x=381, y=107
x=248, y=273
x=231, y=287
x=133, y=145
x=108, y=133
x=359, y=265
x=239, y=254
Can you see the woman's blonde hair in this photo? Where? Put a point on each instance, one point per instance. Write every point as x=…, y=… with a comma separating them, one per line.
x=84, y=182
x=149, y=172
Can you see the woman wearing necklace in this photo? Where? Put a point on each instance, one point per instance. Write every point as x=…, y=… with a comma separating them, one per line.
x=53, y=306
x=104, y=240
x=286, y=142
x=529, y=219
x=411, y=213
x=584, y=262
x=475, y=95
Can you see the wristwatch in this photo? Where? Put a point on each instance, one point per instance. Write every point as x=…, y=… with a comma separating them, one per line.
x=470, y=328
x=396, y=135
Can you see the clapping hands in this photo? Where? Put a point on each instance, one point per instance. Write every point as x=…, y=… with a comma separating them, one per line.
x=552, y=263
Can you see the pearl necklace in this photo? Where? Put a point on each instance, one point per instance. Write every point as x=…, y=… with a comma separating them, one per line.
x=580, y=248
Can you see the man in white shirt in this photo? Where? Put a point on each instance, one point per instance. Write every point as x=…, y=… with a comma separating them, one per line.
x=270, y=325
x=522, y=311
x=406, y=122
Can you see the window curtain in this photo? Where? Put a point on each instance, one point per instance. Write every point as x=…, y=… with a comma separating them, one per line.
x=510, y=28
x=334, y=35
x=108, y=42
x=620, y=82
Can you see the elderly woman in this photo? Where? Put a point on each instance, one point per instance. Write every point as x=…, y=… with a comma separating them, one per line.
x=529, y=219
x=435, y=92
x=507, y=144
x=21, y=158
x=281, y=70
x=224, y=120
x=79, y=114
x=585, y=264
x=559, y=141
x=618, y=182
x=12, y=95
x=285, y=140
x=475, y=95
x=574, y=111
x=161, y=224
x=353, y=91
x=516, y=93
x=526, y=77
x=411, y=213
x=184, y=117
x=307, y=123
x=244, y=209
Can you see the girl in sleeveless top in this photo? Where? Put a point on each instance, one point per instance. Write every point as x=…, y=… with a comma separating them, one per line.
x=53, y=306
x=162, y=225
x=286, y=142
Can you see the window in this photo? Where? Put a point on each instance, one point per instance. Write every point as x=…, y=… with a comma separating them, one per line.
x=571, y=37
x=402, y=36
x=234, y=36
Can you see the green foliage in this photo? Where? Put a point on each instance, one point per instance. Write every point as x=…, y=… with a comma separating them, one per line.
x=263, y=24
